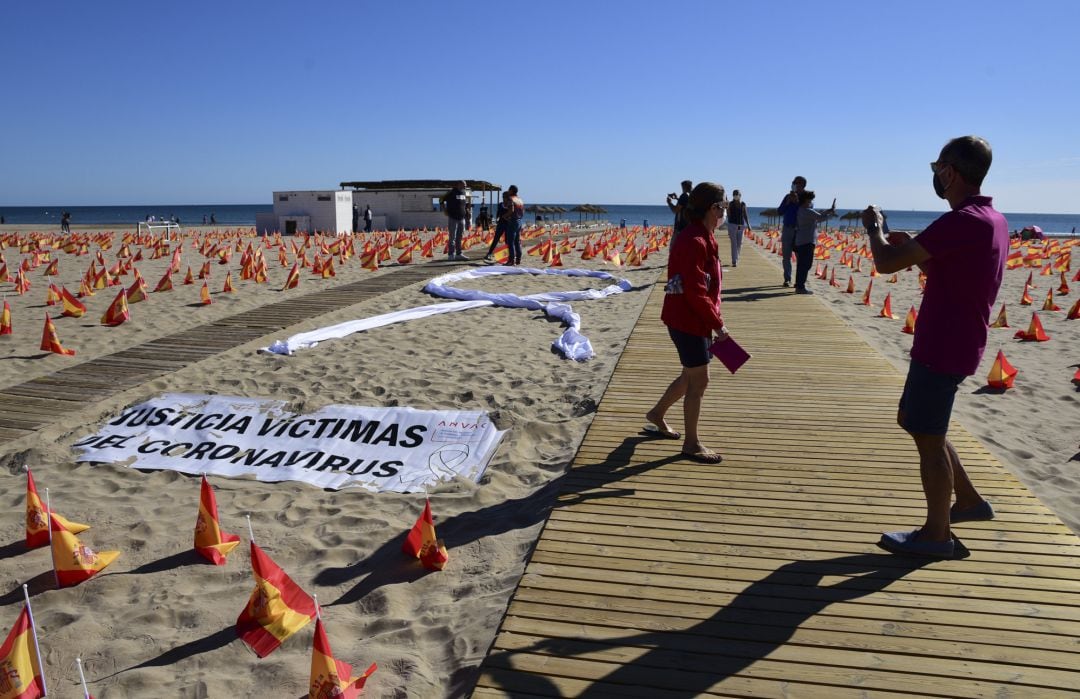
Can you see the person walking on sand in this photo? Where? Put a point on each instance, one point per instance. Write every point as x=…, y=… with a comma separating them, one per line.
x=738, y=221
x=789, y=209
x=65, y=222
x=453, y=203
x=501, y=214
x=963, y=256
x=807, y=219
x=691, y=312
x=514, y=215
x=368, y=218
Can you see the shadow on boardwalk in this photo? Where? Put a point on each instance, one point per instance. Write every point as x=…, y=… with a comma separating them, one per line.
x=757, y=622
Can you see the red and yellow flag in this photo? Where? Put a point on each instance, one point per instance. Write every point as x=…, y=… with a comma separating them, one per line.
x=1026, y=300
x=293, y=280
x=117, y=312
x=1074, y=311
x=228, y=287
x=1002, y=374
x=278, y=608
x=50, y=342
x=886, y=308
x=165, y=283
x=73, y=307
x=1035, y=332
x=330, y=677
x=20, y=668
x=204, y=295
x=52, y=295
x=210, y=542
x=850, y=285
x=37, y=521
x=1002, y=320
x=5, y=319
x=423, y=544
x=501, y=254
x=73, y=560
x=866, y=294
x=909, y=321
x=1048, y=304
x=188, y=278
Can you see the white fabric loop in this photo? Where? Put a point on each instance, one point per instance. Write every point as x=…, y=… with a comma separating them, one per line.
x=571, y=343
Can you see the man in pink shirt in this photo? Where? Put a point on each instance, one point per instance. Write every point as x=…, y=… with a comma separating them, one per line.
x=963, y=255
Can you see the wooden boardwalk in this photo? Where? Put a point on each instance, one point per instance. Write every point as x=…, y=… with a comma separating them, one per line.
x=29, y=406
x=659, y=577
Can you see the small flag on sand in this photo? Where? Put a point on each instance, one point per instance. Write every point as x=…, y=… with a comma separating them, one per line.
x=277, y=609
x=22, y=677
x=331, y=677
x=422, y=543
x=73, y=560
x=210, y=542
x=1002, y=374
x=50, y=342
x=909, y=321
x=1035, y=332
x=37, y=519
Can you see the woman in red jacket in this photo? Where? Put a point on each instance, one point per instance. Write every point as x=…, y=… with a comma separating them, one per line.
x=692, y=314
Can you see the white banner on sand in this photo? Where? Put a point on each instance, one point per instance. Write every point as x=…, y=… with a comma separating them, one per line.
x=570, y=344
x=398, y=450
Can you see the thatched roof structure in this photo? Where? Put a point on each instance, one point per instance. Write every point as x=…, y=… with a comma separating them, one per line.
x=387, y=185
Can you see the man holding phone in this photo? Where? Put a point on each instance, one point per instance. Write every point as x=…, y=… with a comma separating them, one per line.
x=789, y=209
x=963, y=256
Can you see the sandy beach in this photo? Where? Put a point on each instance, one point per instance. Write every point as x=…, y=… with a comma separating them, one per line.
x=159, y=622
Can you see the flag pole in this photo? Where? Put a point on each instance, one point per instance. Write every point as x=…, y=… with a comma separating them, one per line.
x=82, y=677
x=251, y=532
x=33, y=629
x=318, y=609
x=52, y=551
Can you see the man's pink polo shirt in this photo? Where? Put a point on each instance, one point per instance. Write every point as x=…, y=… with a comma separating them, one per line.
x=967, y=248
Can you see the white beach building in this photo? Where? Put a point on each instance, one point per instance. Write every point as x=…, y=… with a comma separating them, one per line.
x=407, y=204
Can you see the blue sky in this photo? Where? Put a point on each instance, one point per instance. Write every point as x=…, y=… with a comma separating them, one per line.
x=604, y=101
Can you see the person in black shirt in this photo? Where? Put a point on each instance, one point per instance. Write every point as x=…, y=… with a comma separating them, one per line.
x=677, y=204
x=738, y=221
x=454, y=204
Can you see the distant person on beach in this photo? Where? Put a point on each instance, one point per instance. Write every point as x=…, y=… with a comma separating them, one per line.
x=454, y=204
x=65, y=222
x=963, y=256
x=677, y=204
x=213, y=219
x=738, y=220
x=355, y=217
x=515, y=215
x=501, y=214
x=789, y=209
x=204, y=219
x=807, y=220
x=483, y=217
x=368, y=218
x=691, y=312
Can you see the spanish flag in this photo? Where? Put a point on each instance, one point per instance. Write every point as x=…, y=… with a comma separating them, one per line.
x=909, y=321
x=501, y=254
x=20, y=668
x=5, y=319
x=204, y=295
x=73, y=560
x=210, y=542
x=1002, y=374
x=422, y=543
x=117, y=312
x=37, y=521
x=293, y=279
x=278, y=608
x=73, y=307
x=50, y=342
x=1002, y=319
x=331, y=677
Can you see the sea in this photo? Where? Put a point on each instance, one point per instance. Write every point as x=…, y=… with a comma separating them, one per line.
x=634, y=214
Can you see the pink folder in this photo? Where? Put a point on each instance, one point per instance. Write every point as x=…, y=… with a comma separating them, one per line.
x=730, y=353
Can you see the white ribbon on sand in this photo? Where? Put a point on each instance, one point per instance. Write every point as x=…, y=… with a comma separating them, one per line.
x=571, y=343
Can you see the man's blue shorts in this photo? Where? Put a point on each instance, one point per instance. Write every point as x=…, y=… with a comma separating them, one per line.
x=927, y=401
x=693, y=349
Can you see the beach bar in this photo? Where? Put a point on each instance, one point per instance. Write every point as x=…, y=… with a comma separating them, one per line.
x=408, y=204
